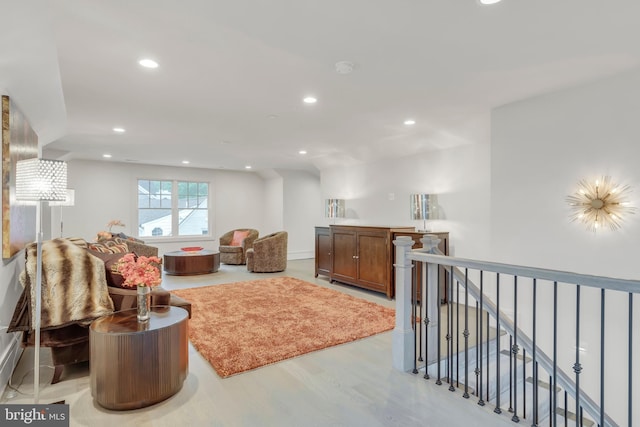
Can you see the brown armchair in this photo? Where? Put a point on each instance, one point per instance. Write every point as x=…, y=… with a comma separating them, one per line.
x=269, y=253
x=234, y=245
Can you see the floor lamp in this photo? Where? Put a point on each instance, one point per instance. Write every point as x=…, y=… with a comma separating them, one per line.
x=69, y=201
x=40, y=180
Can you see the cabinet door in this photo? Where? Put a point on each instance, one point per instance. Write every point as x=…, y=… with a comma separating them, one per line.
x=373, y=260
x=344, y=255
x=323, y=253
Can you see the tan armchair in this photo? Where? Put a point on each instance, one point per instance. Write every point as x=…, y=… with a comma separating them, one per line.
x=269, y=253
x=234, y=251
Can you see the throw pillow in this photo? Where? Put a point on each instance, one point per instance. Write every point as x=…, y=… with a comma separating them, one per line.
x=109, y=247
x=114, y=278
x=238, y=237
x=99, y=247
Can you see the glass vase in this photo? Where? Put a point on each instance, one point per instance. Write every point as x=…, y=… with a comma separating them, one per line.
x=144, y=303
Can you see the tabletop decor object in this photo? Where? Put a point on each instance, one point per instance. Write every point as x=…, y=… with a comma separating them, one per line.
x=334, y=208
x=141, y=273
x=106, y=235
x=424, y=207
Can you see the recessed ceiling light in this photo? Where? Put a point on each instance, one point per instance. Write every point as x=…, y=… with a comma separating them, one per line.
x=409, y=122
x=248, y=167
x=106, y=156
x=310, y=100
x=302, y=152
x=185, y=162
x=119, y=130
x=148, y=63
x=490, y=1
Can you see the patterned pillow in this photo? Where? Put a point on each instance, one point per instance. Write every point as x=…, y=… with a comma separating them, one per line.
x=109, y=247
x=116, y=241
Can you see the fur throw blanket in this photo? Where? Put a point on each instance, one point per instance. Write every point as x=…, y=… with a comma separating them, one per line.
x=74, y=286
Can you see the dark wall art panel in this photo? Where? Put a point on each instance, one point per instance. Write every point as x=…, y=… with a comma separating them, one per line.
x=19, y=142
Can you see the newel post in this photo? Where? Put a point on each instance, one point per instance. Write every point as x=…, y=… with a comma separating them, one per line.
x=429, y=245
x=403, y=347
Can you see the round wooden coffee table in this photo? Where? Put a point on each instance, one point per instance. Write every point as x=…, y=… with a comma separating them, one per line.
x=185, y=263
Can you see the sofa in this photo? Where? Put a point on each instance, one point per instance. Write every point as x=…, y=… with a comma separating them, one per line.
x=87, y=276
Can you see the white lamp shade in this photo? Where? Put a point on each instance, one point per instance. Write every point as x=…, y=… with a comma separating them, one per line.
x=334, y=208
x=41, y=180
x=69, y=201
x=424, y=206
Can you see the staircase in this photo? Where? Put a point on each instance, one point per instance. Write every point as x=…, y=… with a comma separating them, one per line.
x=518, y=378
x=509, y=337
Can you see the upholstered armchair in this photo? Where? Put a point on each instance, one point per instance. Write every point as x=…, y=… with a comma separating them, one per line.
x=234, y=245
x=269, y=253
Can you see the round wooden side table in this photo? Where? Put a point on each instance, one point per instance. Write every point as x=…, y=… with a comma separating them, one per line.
x=185, y=263
x=137, y=364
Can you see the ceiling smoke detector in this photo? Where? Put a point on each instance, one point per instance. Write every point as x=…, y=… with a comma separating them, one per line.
x=344, y=67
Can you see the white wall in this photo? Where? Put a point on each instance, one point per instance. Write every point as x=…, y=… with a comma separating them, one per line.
x=273, y=205
x=378, y=193
x=540, y=149
x=302, y=211
x=107, y=190
x=10, y=290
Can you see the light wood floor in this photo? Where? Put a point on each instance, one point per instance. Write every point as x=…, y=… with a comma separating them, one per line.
x=352, y=384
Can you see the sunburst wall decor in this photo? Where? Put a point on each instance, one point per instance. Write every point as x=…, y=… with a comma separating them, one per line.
x=600, y=204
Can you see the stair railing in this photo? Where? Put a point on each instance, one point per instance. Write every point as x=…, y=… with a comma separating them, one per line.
x=419, y=297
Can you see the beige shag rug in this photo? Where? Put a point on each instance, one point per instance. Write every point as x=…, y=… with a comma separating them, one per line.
x=245, y=325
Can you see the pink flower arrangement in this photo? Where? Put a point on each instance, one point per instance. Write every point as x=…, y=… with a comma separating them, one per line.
x=139, y=270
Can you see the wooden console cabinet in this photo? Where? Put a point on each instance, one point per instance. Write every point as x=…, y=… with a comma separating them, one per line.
x=364, y=256
x=359, y=255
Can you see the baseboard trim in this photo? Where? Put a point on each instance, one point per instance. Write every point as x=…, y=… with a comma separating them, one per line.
x=300, y=255
x=9, y=361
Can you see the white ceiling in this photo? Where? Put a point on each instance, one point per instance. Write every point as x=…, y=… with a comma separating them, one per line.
x=232, y=74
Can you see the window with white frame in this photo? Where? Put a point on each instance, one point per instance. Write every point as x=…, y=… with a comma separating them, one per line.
x=172, y=208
